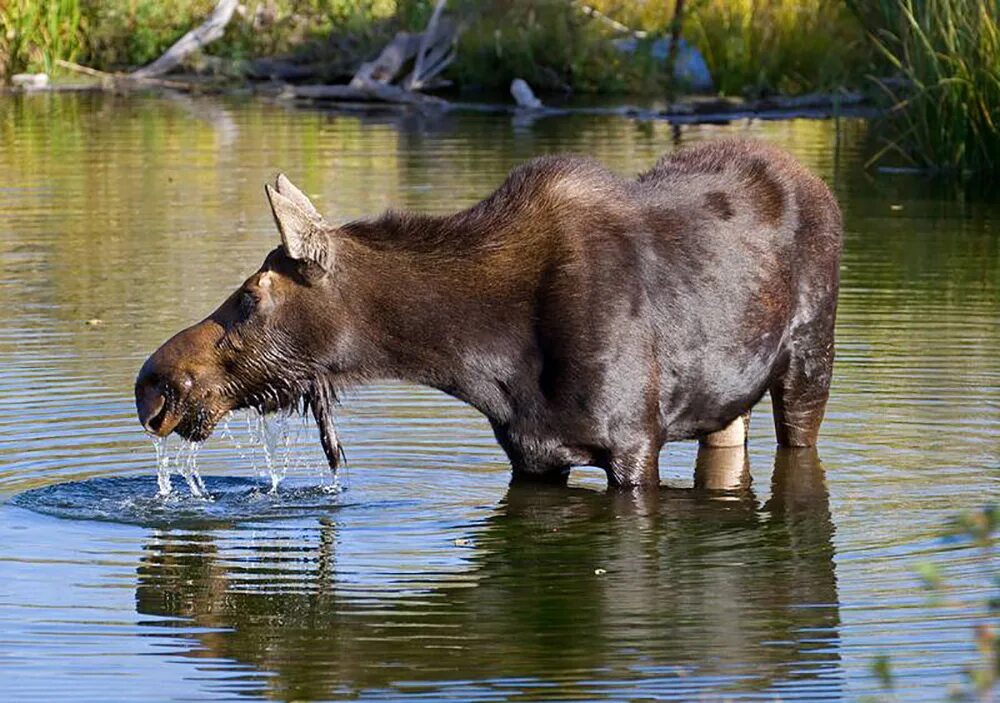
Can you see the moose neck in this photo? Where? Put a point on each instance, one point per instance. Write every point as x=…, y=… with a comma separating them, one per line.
x=451, y=319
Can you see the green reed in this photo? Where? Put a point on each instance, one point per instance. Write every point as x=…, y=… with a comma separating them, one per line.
x=945, y=101
x=33, y=34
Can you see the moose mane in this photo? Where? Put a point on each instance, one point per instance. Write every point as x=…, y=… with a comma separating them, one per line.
x=535, y=191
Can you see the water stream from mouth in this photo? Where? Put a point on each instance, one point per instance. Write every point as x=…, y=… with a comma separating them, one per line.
x=264, y=444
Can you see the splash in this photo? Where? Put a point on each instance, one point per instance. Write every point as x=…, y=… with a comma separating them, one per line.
x=270, y=445
x=184, y=461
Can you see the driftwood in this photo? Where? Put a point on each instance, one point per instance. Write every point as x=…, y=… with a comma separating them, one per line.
x=371, y=91
x=149, y=76
x=435, y=54
x=210, y=30
x=431, y=51
x=523, y=95
x=390, y=62
x=125, y=81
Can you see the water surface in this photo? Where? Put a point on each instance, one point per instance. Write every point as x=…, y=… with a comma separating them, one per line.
x=777, y=575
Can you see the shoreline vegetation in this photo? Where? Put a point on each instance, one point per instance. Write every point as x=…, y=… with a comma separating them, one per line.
x=930, y=69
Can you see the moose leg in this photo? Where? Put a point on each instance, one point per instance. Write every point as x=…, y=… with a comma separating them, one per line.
x=735, y=434
x=637, y=468
x=548, y=475
x=799, y=396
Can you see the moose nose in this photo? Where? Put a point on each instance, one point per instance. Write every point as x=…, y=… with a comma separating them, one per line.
x=150, y=402
x=154, y=395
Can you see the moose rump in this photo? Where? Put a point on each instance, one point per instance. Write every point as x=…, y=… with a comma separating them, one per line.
x=590, y=317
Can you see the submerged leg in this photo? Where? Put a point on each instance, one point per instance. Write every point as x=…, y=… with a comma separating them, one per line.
x=637, y=468
x=550, y=476
x=799, y=396
x=735, y=434
x=722, y=469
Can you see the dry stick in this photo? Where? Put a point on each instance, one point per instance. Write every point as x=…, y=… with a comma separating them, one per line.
x=210, y=30
x=426, y=41
x=119, y=79
x=675, y=39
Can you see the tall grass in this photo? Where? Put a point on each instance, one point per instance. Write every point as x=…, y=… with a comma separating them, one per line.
x=33, y=34
x=551, y=44
x=755, y=47
x=945, y=113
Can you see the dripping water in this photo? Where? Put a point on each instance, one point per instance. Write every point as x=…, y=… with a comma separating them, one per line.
x=270, y=445
x=183, y=461
x=162, y=466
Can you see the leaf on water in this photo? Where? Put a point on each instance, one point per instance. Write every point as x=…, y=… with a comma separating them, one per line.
x=882, y=670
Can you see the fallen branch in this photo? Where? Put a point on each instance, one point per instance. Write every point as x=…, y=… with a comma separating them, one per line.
x=123, y=80
x=417, y=79
x=210, y=30
x=371, y=91
x=432, y=51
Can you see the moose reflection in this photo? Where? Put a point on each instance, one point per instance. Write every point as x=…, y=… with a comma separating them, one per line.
x=558, y=584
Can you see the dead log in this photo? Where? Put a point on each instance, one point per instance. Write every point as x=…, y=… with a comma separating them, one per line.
x=523, y=95
x=210, y=30
x=368, y=92
x=416, y=80
x=124, y=81
x=389, y=62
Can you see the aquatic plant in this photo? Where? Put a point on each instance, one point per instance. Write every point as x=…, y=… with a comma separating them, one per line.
x=945, y=98
x=982, y=528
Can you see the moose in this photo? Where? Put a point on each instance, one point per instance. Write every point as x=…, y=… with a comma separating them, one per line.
x=590, y=317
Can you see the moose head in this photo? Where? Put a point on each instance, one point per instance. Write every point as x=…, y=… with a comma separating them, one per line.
x=269, y=346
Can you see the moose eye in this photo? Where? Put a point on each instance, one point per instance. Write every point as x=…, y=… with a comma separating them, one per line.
x=247, y=303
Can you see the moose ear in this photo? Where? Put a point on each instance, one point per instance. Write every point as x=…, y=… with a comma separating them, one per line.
x=298, y=230
x=288, y=189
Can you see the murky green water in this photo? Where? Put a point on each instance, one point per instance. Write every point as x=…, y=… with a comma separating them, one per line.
x=428, y=576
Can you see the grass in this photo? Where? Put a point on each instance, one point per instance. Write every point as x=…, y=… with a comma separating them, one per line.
x=757, y=47
x=549, y=43
x=945, y=109
x=33, y=34
x=981, y=679
x=751, y=46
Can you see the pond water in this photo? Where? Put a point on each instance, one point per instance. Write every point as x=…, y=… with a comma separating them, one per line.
x=777, y=575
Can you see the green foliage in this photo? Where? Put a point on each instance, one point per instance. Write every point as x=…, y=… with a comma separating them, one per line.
x=549, y=43
x=946, y=114
x=756, y=47
x=128, y=33
x=33, y=34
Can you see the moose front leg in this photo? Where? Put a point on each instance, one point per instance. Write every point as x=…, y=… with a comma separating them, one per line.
x=638, y=467
x=546, y=475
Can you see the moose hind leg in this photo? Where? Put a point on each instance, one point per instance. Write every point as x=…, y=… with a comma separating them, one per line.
x=799, y=397
x=735, y=434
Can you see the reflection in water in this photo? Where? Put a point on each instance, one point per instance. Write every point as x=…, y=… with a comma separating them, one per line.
x=570, y=590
